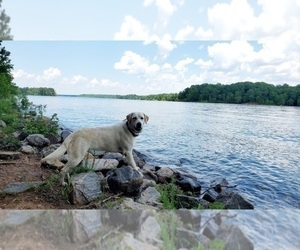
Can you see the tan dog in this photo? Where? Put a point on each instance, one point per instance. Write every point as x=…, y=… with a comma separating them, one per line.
x=117, y=138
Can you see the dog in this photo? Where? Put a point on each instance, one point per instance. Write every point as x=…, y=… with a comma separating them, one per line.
x=116, y=138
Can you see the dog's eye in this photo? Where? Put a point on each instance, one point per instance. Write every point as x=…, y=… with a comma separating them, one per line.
x=142, y=118
x=134, y=118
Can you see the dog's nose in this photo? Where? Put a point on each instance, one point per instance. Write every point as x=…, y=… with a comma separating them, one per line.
x=138, y=125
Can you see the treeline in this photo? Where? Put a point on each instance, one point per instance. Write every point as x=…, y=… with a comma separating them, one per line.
x=243, y=92
x=158, y=97
x=38, y=91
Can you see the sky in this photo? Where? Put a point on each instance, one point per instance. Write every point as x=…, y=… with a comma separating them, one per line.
x=152, y=46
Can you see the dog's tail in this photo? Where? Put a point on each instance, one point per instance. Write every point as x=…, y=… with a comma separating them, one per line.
x=59, y=152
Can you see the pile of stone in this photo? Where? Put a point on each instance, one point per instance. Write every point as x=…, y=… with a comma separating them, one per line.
x=109, y=172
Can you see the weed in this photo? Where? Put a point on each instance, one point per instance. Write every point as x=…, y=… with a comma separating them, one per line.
x=169, y=193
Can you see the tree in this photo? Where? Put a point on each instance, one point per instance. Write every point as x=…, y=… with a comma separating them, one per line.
x=4, y=25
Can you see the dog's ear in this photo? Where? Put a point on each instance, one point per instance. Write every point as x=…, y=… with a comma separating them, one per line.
x=129, y=117
x=146, y=118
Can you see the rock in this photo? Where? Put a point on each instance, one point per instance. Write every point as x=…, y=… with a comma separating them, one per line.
x=19, y=217
x=52, y=138
x=129, y=242
x=37, y=140
x=86, y=225
x=188, y=184
x=85, y=188
x=233, y=238
x=64, y=134
x=130, y=204
x=219, y=185
x=210, y=195
x=139, y=158
x=124, y=179
x=188, y=202
x=21, y=135
x=8, y=155
x=48, y=150
x=27, y=149
x=19, y=187
x=150, y=230
x=233, y=200
x=116, y=156
x=103, y=164
x=210, y=230
x=2, y=124
x=165, y=174
x=150, y=196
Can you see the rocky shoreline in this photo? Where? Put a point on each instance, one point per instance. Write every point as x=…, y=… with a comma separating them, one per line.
x=107, y=174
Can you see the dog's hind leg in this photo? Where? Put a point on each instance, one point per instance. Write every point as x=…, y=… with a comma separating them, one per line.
x=75, y=156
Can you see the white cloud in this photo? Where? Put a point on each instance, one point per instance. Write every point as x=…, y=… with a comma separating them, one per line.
x=231, y=21
x=183, y=33
x=165, y=10
x=49, y=74
x=203, y=34
x=132, y=29
x=181, y=65
x=133, y=63
x=103, y=83
x=165, y=45
x=76, y=79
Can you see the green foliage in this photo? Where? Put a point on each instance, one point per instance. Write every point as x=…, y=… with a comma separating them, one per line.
x=38, y=91
x=215, y=205
x=243, y=92
x=4, y=25
x=169, y=195
x=39, y=124
x=9, y=142
x=158, y=97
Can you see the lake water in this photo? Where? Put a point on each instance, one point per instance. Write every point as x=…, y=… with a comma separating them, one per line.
x=254, y=147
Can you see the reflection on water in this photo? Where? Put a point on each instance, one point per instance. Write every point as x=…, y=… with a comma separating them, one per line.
x=254, y=147
x=149, y=229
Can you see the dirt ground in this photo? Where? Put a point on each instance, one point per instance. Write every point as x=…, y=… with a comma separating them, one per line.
x=27, y=169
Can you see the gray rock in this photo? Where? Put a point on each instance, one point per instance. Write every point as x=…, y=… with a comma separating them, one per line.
x=129, y=242
x=188, y=184
x=165, y=174
x=149, y=196
x=116, y=156
x=8, y=155
x=16, y=218
x=210, y=195
x=27, y=149
x=2, y=123
x=233, y=238
x=124, y=179
x=219, y=185
x=130, y=204
x=64, y=134
x=19, y=187
x=150, y=230
x=37, y=140
x=86, y=225
x=48, y=150
x=233, y=200
x=103, y=164
x=86, y=188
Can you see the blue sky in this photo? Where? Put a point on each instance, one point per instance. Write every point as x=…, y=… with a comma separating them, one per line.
x=152, y=46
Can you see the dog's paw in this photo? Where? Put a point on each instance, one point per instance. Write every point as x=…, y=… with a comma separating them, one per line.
x=64, y=183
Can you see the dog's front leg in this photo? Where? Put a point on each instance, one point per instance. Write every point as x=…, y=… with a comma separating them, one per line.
x=130, y=160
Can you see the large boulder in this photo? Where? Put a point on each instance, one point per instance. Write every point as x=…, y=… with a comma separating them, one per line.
x=37, y=140
x=124, y=179
x=150, y=196
x=188, y=184
x=233, y=200
x=86, y=188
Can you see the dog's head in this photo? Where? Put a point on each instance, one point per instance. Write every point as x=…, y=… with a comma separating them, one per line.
x=136, y=121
